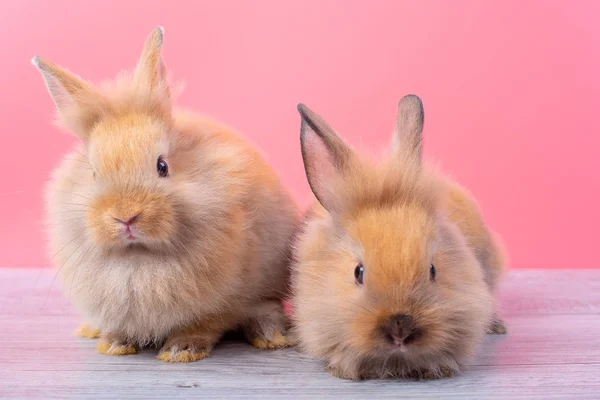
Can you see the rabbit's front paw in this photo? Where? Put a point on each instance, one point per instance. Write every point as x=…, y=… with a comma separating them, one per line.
x=266, y=328
x=87, y=331
x=186, y=347
x=182, y=352
x=276, y=341
x=115, y=347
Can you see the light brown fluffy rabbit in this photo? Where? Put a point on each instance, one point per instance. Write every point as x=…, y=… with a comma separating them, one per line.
x=166, y=228
x=395, y=267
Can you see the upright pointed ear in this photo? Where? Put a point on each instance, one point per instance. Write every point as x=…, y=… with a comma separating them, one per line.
x=79, y=104
x=327, y=158
x=150, y=70
x=409, y=127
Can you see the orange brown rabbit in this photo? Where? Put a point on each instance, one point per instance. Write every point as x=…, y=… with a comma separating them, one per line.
x=166, y=228
x=395, y=268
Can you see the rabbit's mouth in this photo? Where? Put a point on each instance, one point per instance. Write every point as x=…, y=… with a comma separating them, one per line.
x=131, y=236
x=130, y=233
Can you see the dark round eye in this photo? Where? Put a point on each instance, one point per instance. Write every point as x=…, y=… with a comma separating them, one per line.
x=359, y=273
x=432, y=272
x=162, y=168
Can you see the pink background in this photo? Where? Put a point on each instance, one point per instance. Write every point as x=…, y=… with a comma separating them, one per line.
x=511, y=92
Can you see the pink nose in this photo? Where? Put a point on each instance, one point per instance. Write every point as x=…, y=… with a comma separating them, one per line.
x=129, y=221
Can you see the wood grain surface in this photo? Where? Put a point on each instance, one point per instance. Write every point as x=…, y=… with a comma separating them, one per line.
x=552, y=351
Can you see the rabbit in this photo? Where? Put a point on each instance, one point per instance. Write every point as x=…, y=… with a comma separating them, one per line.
x=167, y=228
x=395, y=270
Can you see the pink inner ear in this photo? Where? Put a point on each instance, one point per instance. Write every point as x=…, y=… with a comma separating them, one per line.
x=62, y=99
x=320, y=163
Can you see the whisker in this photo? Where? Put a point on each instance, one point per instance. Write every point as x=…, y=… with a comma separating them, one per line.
x=55, y=254
x=81, y=162
x=80, y=153
x=65, y=221
x=78, y=267
x=75, y=182
x=71, y=241
x=58, y=272
x=66, y=211
x=76, y=194
x=77, y=204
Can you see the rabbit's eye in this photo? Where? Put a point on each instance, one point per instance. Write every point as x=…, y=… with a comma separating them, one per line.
x=432, y=272
x=162, y=168
x=359, y=273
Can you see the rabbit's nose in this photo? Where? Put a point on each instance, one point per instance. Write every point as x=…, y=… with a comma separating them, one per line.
x=128, y=221
x=401, y=329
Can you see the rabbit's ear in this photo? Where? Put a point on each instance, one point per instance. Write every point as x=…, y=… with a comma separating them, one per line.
x=407, y=138
x=327, y=158
x=150, y=70
x=78, y=102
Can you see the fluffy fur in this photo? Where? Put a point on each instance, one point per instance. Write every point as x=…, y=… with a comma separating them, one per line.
x=207, y=247
x=396, y=218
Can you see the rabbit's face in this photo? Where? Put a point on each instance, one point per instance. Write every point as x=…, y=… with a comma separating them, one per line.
x=408, y=286
x=132, y=182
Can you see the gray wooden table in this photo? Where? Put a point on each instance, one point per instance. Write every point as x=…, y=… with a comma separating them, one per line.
x=552, y=351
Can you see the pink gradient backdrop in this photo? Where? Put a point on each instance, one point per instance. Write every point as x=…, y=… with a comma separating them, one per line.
x=511, y=92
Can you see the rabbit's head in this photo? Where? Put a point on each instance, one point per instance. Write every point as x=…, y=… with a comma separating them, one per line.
x=125, y=128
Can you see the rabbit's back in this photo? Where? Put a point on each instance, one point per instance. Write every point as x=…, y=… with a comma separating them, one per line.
x=462, y=210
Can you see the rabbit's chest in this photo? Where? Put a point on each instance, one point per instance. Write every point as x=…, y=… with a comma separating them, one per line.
x=144, y=298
